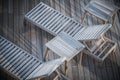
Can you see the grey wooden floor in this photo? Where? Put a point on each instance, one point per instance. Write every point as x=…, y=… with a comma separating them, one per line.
x=11, y=24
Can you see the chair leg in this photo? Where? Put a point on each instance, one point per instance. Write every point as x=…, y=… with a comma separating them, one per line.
x=66, y=68
x=56, y=77
x=102, y=37
x=60, y=76
x=103, y=21
x=113, y=20
x=84, y=16
x=114, y=50
x=46, y=54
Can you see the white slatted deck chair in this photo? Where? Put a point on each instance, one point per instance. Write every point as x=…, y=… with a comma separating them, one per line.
x=55, y=22
x=101, y=46
x=52, y=20
x=103, y=9
x=65, y=46
x=21, y=65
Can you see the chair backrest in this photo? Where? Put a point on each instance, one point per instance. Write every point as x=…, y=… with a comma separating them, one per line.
x=92, y=32
x=21, y=64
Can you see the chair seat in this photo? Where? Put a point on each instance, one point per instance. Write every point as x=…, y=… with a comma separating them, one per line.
x=65, y=46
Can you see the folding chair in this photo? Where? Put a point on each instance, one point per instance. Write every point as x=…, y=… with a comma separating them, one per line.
x=21, y=65
x=65, y=46
x=104, y=10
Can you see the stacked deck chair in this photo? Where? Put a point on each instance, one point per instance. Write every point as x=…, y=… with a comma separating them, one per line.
x=55, y=22
x=22, y=65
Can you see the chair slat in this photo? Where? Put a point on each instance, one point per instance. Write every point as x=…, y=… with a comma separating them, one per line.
x=41, y=15
x=46, y=17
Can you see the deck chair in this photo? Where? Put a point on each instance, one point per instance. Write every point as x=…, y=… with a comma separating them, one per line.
x=97, y=45
x=55, y=22
x=52, y=20
x=65, y=46
x=102, y=9
x=100, y=49
x=21, y=65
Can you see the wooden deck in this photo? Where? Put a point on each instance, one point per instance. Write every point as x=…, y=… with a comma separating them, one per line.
x=11, y=23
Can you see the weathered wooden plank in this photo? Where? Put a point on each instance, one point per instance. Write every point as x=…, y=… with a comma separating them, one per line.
x=92, y=68
x=72, y=7
x=16, y=22
x=10, y=20
x=114, y=59
x=11, y=27
x=5, y=17
x=104, y=73
x=62, y=6
x=86, y=68
x=1, y=17
x=78, y=10
x=67, y=8
x=116, y=54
